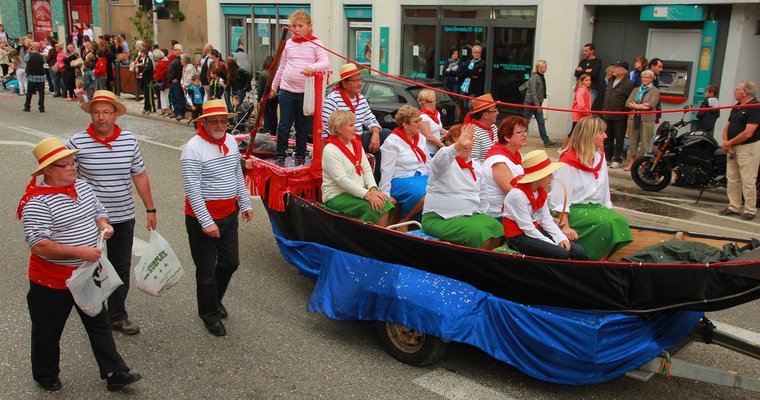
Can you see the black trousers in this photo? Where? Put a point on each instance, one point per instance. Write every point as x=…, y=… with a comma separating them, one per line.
x=119, y=248
x=149, y=103
x=613, y=145
x=539, y=248
x=216, y=259
x=32, y=87
x=49, y=309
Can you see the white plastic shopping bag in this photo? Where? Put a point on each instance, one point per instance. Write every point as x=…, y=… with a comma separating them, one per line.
x=308, y=96
x=93, y=282
x=159, y=268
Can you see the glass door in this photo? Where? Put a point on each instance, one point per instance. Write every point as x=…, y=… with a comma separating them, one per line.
x=264, y=40
x=512, y=62
x=461, y=38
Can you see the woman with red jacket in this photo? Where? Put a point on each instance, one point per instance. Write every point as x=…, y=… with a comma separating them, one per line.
x=159, y=77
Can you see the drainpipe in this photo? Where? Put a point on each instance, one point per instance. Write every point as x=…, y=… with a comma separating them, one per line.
x=108, y=16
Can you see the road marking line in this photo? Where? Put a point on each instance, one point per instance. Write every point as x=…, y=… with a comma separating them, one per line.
x=743, y=233
x=138, y=247
x=144, y=139
x=456, y=387
x=17, y=143
x=31, y=131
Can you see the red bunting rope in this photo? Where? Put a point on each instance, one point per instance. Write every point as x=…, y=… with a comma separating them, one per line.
x=501, y=103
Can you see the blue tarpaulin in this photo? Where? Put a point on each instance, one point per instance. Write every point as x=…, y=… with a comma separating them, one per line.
x=551, y=344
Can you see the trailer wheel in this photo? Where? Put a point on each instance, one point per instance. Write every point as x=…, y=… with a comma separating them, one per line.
x=410, y=346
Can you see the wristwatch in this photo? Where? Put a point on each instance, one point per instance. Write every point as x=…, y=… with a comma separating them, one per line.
x=152, y=210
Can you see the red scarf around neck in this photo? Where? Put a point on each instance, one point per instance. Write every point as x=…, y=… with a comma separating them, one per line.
x=355, y=158
x=221, y=142
x=467, y=165
x=32, y=191
x=107, y=141
x=304, y=38
x=483, y=127
x=433, y=114
x=571, y=158
x=535, y=203
x=346, y=100
x=421, y=157
x=503, y=150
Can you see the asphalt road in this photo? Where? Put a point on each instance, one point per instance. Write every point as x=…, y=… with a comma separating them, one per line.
x=274, y=348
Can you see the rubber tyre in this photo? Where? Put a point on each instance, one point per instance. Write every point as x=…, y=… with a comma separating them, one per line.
x=659, y=181
x=410, y=346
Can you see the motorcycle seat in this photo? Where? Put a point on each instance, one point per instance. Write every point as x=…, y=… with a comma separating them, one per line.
x=719, y=152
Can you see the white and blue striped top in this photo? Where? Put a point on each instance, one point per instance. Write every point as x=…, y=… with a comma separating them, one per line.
x=110, y=172
x=364, y=116
x=210, y=175
x=56, y=217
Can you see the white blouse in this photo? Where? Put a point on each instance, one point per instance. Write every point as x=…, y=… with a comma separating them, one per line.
x=517, y=208
x=399, y=161
x=451, y=191
x=435, y=130
x=491, y=194
x=582, y=188
x=339, y=174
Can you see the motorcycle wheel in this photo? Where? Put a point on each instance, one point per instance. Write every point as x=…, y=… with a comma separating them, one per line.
x=410, y=346
x=647, y=178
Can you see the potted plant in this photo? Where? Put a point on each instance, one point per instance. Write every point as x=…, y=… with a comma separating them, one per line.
x=177, y=15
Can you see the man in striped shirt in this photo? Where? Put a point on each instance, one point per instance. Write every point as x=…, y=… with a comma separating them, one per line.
x=347, y=96
x=62, y=219
x=110, y=161
x=214, y=193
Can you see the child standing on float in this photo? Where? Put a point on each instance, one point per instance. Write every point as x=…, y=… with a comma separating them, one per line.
x=300, y=58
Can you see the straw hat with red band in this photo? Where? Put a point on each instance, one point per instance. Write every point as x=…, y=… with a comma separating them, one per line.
x=215, y=107
x=104, y=96
x=348, y=70
x=481, y=103
x=537, y=165
x=48, y=151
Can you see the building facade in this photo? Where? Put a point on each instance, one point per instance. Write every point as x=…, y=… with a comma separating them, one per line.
x=706, y=42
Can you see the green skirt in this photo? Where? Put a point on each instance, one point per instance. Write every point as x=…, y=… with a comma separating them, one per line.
x=346, y=203
x=600, y=230
x=467, y=230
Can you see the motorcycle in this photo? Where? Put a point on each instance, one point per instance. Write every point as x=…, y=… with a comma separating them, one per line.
x=695, y=158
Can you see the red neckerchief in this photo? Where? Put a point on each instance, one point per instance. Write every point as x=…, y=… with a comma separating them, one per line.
x=483, y=127
x=304, y=38
x=107, y=141
x=346, y=99
x=503, y=150
x=467, y=165
x=412, y=143
x=571, y=158
x=221, y=142
x=536, y=203
x=355, y=158
x=433, y=114
x=32, y=191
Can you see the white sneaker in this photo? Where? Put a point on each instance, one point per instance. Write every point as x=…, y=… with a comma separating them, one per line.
x=615, y=165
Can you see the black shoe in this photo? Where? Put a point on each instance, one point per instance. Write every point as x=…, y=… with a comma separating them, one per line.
x=223, y=311
x=51, y=386
x=216, y=329
x=26, y=110
x=748, y=216
x=120, y=379
x=42, y=110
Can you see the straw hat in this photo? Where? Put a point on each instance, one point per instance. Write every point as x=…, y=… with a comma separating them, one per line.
x=105, y=96
x=48, y=151
x=348, y=70
x=215, y=107
x=537, y=165
x=480, y=103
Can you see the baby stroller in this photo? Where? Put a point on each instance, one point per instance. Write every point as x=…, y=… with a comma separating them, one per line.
x=240, y=123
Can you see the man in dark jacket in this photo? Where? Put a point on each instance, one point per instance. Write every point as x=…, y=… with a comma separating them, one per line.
x=591, y=65
x=35, y=72
x=174, y=76
x=473, y=76
x=614, y=100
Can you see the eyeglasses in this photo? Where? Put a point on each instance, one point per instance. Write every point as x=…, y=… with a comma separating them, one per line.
x=72, y=164
x=216, y=121
x=102, y=113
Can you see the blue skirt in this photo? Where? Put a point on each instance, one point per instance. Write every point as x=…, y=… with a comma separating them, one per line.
x=408, y=191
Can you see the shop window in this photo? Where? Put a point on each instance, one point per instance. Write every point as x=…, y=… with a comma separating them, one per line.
x=420, y=13
x=419, y=51
x=469, y=12
x=516, y=14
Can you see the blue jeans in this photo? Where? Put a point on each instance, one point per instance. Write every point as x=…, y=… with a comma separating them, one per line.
x=528, y=112
x=177, y=98
x=291, y=110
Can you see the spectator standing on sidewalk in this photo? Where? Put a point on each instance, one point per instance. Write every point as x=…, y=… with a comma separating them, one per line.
x=20, y=68
x=741, y=140
x=188, y=72
x=591, y=65
x=174, y=77
x=706, y=119
x=145, y=73
x=110, y=161
x=615, y=100
x=641, y=126
x=473, y=76
x=161, y=85
x=535, y=96
x=35, y=72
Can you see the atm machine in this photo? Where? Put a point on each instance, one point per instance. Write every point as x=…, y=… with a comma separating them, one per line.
x=675, y=81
